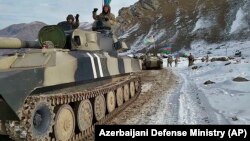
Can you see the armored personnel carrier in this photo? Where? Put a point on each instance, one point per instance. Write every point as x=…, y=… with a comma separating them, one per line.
x=61, y=86
x=152, y=61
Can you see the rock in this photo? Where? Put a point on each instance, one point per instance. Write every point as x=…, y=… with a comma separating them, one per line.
x=219, y=59
x=150, y=4
x=176, y=22
x=213, y=59
x=235, y=118
x=228, y=63
x=209, y=82
x=195, y=67
x=240, y=79
x=209, y=52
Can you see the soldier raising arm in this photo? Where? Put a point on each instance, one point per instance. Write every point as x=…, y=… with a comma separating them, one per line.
x=70, y=23
x=104, y=19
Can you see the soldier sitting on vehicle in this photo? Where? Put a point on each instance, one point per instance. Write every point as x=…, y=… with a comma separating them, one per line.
x=104, y=23
x=105, y=20
x=70, y=23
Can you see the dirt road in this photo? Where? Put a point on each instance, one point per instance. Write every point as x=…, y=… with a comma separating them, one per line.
x=150, y=107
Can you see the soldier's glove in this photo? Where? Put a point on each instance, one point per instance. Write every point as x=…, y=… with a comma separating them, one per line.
x=106, y=19
x=95, y=9
x=77, y=17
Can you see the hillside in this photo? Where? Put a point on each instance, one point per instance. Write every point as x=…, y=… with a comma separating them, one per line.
x=29, y=31
x=180, y=22
x=24, y=31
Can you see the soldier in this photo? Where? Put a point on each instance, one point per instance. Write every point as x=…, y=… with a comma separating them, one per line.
x=170, y=60
x=176, y=61
x=207, y=58
x=105, y=20
x=190, y=60
x=70, y=22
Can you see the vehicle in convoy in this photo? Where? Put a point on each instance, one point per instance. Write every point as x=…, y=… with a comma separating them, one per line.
x=152, y=61
x=237, y=53
x=59, y=87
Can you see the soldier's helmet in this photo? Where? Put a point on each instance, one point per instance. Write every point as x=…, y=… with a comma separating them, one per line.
x=70, y=16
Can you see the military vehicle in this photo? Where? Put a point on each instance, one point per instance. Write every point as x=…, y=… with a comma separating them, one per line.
x=237, y=53
x=152, y=61
x=61, y=86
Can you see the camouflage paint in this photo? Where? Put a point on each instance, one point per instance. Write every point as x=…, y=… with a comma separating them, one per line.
x=70, y=67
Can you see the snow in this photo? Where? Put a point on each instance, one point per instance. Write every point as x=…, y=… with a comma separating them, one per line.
x=201, y=48
x=178, y=18
x=159, y=17
x=139, y=42
x=137, y=45
x=85, y=25
x=226, y=101
x=202, y=23
x=146, y=87
x=130, y=31
x=240, y=22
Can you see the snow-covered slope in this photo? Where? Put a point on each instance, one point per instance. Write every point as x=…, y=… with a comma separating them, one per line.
x=202, y=48
x=180, y=22
x=224, y=102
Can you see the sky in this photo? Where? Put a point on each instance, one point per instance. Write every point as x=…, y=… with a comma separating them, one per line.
x=52, y=11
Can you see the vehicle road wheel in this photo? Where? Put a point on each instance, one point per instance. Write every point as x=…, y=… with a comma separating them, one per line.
x=126, y=92
x=41, y=121
x=111, y=101
x=99, y=107
x=119, y=96
x=64, y=123
x=132, y=89
x=84, y=115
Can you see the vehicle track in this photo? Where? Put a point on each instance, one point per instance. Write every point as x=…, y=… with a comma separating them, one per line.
x=20, y=131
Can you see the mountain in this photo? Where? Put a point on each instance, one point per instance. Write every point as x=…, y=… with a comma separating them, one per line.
x=29, y=31
x=85, y=26
x=180, y=22
x=24, y=31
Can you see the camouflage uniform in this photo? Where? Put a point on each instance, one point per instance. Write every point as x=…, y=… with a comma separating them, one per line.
x=170, y=60
x=104, y=20
x=207, y=58
x=176, y=61
x=66, y=25
x=190, y=60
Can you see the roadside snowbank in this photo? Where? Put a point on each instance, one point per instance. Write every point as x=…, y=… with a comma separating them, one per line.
x=225, y=101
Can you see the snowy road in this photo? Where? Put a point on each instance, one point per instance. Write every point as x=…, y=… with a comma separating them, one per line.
x=178, y=96
x=166, y=99
x=151, y=105
x=193, y=107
